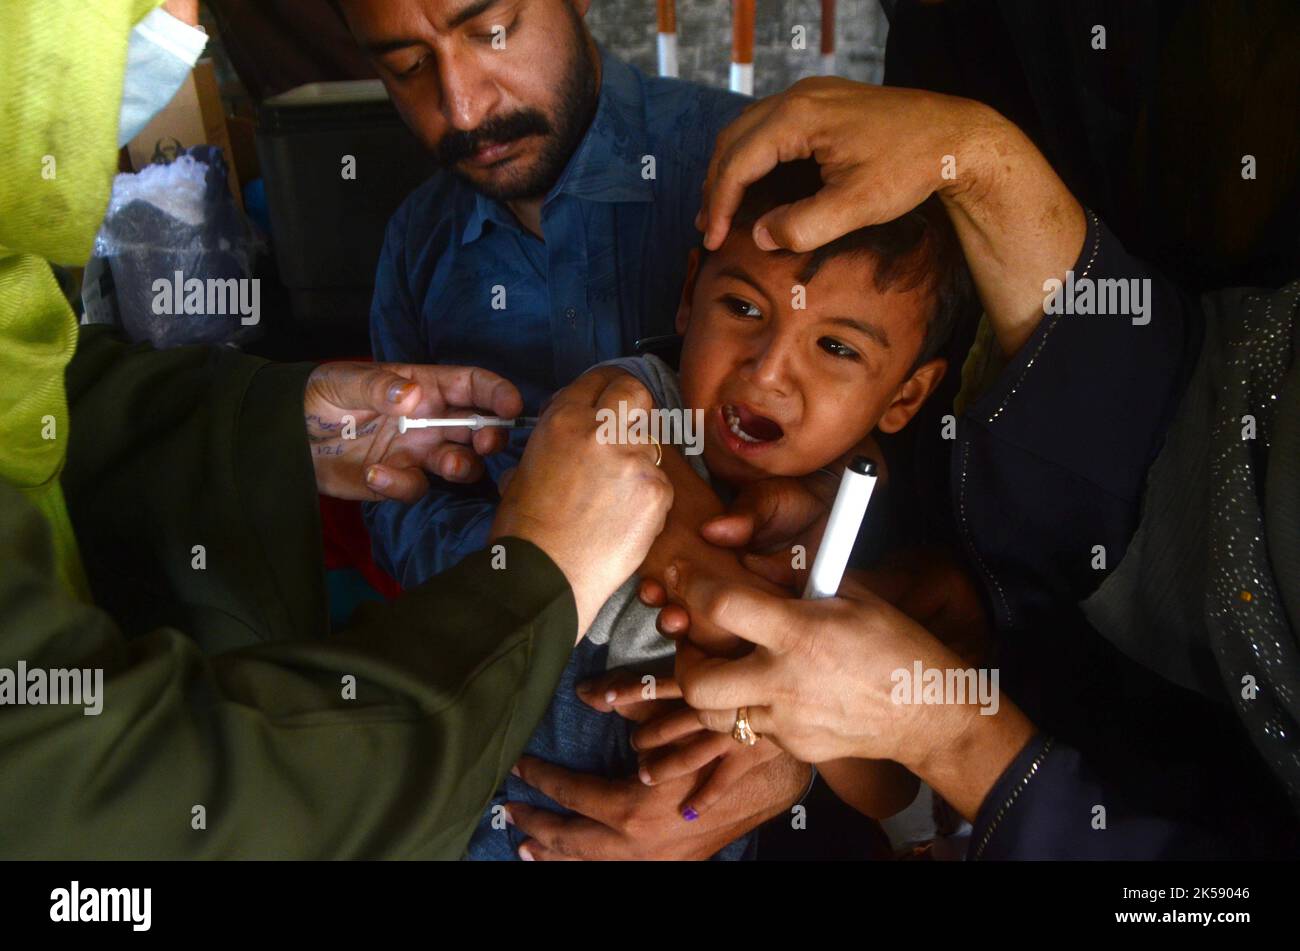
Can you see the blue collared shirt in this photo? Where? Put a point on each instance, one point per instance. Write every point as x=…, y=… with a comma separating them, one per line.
x=460, y=281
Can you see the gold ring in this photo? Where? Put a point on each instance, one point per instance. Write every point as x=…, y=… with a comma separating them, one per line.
x=742, y=732
x=659, y=451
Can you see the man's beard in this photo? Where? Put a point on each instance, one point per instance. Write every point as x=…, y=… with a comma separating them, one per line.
x=560, y=138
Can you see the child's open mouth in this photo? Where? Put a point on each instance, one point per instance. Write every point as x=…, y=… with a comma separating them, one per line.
x=749, y=428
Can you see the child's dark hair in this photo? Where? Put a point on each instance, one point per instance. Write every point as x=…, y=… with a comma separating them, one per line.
x=920, y=248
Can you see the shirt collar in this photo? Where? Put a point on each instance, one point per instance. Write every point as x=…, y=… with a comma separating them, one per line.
x=486, y=209
x=607, y=164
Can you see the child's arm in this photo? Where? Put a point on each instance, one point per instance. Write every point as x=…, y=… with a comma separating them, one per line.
x=875, y=787
x=694, y=502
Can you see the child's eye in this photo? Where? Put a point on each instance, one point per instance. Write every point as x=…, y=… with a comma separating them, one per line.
x=837, y=349
x=741, y=307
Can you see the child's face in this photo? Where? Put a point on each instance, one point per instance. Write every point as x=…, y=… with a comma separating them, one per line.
x=789, y=385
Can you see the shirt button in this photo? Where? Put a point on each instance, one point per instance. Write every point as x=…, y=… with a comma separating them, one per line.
x=571, y=316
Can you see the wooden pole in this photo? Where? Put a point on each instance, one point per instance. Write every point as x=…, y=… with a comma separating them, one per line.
x=742, y=46
x=828, y=38
x=666, y=16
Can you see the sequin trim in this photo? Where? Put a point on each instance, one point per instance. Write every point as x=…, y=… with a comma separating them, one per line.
x=970, y=541
x=1095, y=226
x=1030, y=773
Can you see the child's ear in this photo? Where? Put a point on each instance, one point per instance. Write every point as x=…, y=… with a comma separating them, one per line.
x=914, y=392
x=688, y=291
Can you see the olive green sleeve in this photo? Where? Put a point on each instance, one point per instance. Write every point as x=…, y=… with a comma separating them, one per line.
x=383, y=740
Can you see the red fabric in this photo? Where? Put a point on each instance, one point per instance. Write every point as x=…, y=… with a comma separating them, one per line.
x=347, y=544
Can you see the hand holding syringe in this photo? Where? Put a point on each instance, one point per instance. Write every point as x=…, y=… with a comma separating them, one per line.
x=474, y=423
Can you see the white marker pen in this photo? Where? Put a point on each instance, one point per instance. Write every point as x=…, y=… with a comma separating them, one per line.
x=856, y=486
x=475, y=423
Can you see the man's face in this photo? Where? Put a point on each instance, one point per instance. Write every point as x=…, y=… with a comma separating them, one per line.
x=785, y=389
x=500, y=91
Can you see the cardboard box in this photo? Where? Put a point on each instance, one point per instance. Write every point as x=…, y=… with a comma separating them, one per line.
x=195, y=116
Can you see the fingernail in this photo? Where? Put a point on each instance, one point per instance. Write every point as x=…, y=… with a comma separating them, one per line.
x=514, y=771
x=451, y=467
x=763, y=238
x=505, y=811
x=670, y=576
x=611, y=696
x=398, y=391
x=689, y=814
x=644, y=775
x=524, y=854
x=377, y=478
x=584, y=689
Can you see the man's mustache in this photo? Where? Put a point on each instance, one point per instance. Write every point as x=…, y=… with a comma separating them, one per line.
x=458, y=145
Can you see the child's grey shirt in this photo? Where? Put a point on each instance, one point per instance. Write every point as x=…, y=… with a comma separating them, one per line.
x=627, y=625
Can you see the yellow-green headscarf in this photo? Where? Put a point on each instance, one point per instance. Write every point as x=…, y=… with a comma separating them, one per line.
x=61, y=72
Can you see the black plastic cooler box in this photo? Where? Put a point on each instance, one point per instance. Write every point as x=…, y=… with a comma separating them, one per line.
x=328, y=230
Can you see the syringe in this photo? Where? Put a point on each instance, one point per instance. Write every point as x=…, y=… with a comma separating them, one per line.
x=474, y=422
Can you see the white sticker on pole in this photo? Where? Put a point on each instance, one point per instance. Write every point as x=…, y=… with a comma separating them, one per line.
x=667, y=54
x=742, y=78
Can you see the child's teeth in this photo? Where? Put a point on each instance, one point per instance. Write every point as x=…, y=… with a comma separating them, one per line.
x=733, y=423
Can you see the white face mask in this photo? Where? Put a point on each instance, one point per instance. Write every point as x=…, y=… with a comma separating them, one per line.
x=161, y=53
